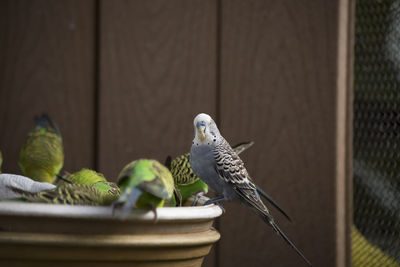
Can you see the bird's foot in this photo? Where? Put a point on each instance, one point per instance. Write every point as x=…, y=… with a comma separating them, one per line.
x=215, y=201
x=220, y=206
x=197, y=196
x=208, y=202
x=154, y=210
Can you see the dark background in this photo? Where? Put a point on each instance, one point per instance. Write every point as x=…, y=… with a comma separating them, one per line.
x=124, y=80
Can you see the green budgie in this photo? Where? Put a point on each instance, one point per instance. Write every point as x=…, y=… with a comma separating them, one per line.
x=99, y=194
x=186, y=181
x=144, y=183
x=42, y=157
x=84, y=176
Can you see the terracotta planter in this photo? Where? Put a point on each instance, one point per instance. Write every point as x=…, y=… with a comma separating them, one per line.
x=38, y=234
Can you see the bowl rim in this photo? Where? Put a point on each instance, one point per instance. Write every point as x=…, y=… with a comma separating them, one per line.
x=99, y=212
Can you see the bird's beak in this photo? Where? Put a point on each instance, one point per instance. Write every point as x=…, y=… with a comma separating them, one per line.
x=200, y=132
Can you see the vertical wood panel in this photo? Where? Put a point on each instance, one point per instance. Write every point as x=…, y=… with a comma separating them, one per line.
x=279, y=87
x=344, y=132
x=157, y=72
x=46, y=65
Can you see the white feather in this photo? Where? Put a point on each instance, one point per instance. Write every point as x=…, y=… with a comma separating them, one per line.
x=9, y=181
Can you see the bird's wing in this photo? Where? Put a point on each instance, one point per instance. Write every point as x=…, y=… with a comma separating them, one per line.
x=229, y=166
x=182, y=171
x=231, y=169
x=239, y=148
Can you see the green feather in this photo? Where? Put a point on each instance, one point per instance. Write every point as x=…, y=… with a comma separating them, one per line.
x=110, y=191
x=84, y=176
x=73, y=194
x=148, y=200
x=42, y=156
x=144, y=183
x=188, y=190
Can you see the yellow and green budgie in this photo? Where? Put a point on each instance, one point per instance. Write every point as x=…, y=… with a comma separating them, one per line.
x=42, y=156
x=144, y=183
x=85, y=187
x=101, y=193
x=84, y=176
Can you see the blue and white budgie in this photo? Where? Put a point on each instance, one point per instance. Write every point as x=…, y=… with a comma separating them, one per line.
x=215, y=162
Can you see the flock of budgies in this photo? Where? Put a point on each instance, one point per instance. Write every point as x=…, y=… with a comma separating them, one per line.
x=143, y=183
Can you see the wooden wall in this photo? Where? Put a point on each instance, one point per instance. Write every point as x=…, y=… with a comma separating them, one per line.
x=124, y=79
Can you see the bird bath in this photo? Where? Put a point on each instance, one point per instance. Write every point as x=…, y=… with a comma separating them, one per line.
x=39, y=234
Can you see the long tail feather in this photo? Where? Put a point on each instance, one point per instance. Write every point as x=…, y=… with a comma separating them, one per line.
x=239, y=148
x=279, y=231
x=270, y=200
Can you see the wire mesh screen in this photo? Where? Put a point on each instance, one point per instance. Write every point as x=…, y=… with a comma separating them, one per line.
x=376, y=238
